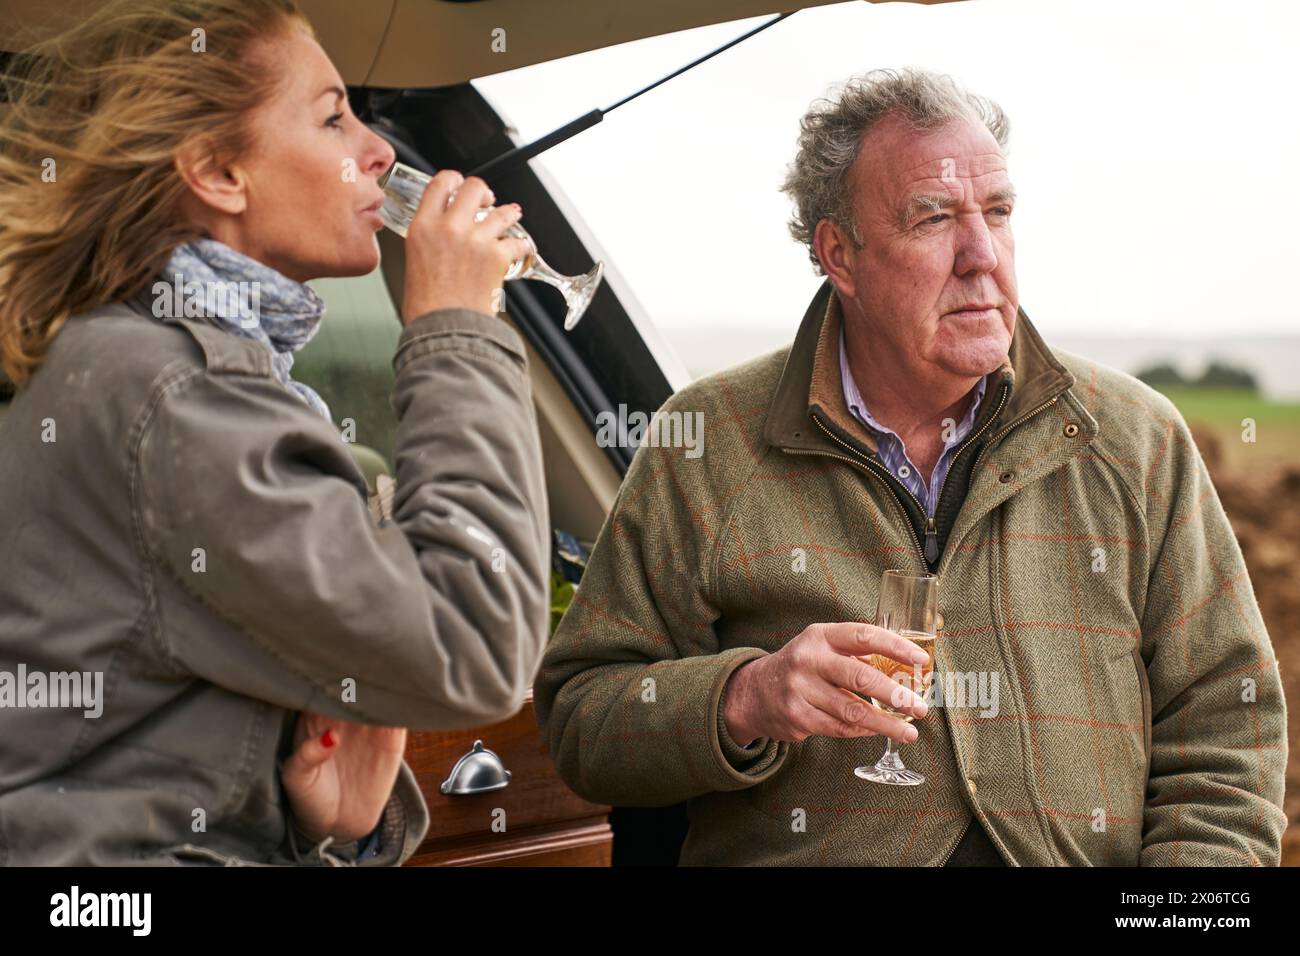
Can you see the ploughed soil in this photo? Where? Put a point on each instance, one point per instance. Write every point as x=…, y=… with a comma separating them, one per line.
x=1263, y=505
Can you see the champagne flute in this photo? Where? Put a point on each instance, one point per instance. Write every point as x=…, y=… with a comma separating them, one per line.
x=908, y=606
x=403, y=187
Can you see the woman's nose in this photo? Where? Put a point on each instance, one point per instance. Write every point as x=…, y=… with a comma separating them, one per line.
x=380, y=153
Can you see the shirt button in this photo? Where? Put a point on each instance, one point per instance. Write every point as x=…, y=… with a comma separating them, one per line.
x=973, y=788
x=904, y=471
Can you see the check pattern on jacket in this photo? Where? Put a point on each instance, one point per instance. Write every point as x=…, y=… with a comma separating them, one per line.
x=1091, y=566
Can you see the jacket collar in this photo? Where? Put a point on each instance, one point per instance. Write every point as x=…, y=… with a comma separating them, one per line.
x=811, y=380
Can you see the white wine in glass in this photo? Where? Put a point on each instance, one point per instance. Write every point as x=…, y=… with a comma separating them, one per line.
x=403, y=187
x=908, y=606
x=915, y=677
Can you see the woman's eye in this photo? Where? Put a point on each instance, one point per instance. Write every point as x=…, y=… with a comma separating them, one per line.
x=333, y=121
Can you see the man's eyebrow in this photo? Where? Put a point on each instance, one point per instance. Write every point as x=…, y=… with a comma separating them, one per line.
x=1005, y=193
x=937, y=202
x=930, y=202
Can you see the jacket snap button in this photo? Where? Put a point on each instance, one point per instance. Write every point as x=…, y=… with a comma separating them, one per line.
x=1006, y=476
x=1071, y=430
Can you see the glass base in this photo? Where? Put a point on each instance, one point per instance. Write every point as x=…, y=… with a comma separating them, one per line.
x=578, y=294
x=890, y=769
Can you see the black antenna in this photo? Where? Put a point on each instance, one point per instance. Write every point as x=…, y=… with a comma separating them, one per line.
x=509, y=161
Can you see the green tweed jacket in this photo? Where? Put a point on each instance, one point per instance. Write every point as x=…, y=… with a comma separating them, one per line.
x=1090, y=576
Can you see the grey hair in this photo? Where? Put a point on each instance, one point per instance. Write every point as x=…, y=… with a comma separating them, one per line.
x=819, y=180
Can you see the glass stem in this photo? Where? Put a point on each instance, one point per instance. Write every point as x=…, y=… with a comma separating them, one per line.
x=544, y=273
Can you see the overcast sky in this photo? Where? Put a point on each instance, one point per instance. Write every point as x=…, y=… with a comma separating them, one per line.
x=1154, y=147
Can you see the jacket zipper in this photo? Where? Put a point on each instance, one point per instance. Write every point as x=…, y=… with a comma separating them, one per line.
x=931, y=533
x=948, y=856
x=880, y=473
x=883, y=475
x=1023, y=418
x=930, y=552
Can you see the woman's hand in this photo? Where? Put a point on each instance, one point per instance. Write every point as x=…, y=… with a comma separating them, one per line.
x=341, y=775
x=451, y=260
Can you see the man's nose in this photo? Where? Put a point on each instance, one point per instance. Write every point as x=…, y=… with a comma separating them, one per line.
x=974, y=253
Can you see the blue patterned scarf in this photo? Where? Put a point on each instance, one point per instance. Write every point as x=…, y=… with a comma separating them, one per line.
x=227, y=289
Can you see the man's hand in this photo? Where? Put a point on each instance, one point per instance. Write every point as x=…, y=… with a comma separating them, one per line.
x=811, y=686
x=341, y=775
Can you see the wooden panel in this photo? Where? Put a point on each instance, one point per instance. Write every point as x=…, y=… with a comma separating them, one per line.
x=544, y=819
x=588, y=845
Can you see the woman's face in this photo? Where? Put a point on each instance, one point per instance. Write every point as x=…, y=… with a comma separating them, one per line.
x=304, y=199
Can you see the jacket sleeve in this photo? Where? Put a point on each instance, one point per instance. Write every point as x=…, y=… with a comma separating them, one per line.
x=1218, y=735
x=630, y=691
x=402, y=826
x=434, y=620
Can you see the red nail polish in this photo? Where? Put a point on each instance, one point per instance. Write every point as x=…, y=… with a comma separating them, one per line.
x=327, y=739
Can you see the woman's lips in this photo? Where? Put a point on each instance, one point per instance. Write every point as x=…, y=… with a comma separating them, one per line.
x=373, y=211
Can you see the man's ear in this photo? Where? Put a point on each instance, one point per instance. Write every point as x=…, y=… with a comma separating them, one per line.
x=217, y=185
x=834, y=250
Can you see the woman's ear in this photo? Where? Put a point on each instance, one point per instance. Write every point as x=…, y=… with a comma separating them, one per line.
x=219, y=187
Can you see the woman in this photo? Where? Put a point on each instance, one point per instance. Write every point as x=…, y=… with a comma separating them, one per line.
x=212, y=647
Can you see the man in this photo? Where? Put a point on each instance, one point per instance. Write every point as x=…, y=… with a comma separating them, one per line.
x=715, y=650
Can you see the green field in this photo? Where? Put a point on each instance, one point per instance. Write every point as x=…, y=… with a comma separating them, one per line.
x=1222, y=410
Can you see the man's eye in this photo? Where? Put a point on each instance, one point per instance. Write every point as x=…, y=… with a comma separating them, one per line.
x=1002, y=210
x=934, y=220
x=333, y=121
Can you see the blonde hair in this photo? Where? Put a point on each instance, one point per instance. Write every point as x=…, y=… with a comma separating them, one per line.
x=90, y=199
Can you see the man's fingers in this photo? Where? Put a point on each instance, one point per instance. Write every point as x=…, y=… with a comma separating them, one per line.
x=834, y=712
x=860, y=677
x=860, y=639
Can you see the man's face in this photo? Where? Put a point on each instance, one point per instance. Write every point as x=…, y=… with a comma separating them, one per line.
x=935, y=277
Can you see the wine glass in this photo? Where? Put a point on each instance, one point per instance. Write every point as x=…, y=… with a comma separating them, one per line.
x=403, y=187
x=908, y=606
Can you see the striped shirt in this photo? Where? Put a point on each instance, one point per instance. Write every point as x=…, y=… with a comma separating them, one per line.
x=890, y=448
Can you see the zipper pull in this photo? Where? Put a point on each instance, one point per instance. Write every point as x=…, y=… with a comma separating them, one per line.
x=931, y=542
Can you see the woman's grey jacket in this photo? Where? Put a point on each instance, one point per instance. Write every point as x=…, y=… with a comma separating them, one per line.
x=187, y=559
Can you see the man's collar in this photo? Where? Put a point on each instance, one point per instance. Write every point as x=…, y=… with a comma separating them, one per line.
x=811, y=380
x=857, y=406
